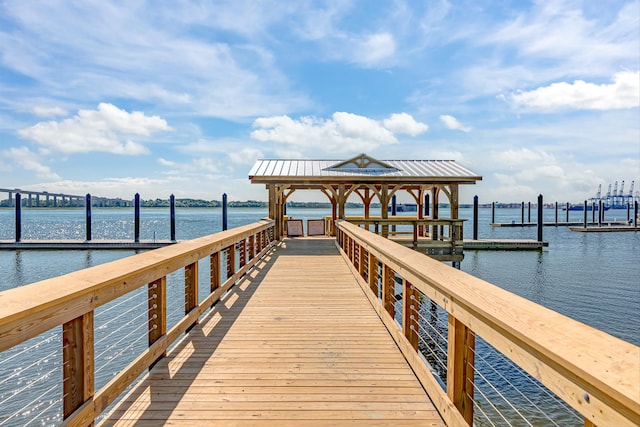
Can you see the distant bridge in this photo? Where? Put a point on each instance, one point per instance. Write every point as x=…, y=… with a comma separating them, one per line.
x=45, y=199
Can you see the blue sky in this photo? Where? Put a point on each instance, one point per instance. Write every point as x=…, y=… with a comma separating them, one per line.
x=181, y=97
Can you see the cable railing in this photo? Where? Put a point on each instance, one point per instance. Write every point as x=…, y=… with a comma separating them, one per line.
x=100, y=328
x=486, y=356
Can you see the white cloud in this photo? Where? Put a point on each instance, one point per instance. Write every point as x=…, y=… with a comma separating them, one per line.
x=513, y=159
x=196, y=166
x=245, y=155
x=624, y=92
x=28, y=160
x=107, y=129
x=49, y=111
x=344, y=132
x=404, y=123
x=373, y=49
x=452, y=123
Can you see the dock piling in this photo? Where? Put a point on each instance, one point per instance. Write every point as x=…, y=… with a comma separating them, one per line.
x=172, y=216
x=522, y=214
x=18, y=218
x=540, y=218
x=528, y=211
x=585, y=214
x=475, y=217
x=568, y=206
x=556, y=213
x=600, y=214
x=493, y=212
x=635, y=214
x=394, y=211
x=136, y=214
x=628, y=211
x=224, y=211
x=87, y=204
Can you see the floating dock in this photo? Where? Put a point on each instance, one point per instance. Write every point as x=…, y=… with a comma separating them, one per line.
x=82, y=244
x=504, y=245
x=607, y=229
x=556, y=224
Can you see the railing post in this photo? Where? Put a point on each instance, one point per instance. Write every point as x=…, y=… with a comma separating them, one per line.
x=231, y=260
x=460, y=366
x=409, y=308
x=214, y=278
x=356, y=255
x=77, y=362
x=252, y=246
x=352, y=249
x=373, y=274
x=242, y=247
x=388, y=290
x=361, y=261
x=157, y=301
x=191, y=288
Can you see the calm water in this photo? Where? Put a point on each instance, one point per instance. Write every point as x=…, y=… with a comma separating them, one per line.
x=591, y=277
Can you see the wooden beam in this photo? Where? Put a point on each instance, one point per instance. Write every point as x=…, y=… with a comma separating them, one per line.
x=190, y=287
x=460, y=366
x=157, y=302
x=78, y=362
x=388, y=289
x=214, y=270
x=410, y=307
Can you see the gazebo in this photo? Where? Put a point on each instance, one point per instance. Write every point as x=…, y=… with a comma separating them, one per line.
x=365, y=176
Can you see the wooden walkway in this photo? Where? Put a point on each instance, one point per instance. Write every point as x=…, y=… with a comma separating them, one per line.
x=297, y=343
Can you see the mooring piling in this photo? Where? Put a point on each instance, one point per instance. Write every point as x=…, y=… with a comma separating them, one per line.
x=224, y=211
x=172, y=216
x=18, y=218
x=87, y=204
x=475, y=217
x=540, y=218
x=136, y=214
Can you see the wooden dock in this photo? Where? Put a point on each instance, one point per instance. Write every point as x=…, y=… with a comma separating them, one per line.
x=50, y=245
x=295, y=343
x=504, y=245
x=605, y=229
x=556, y=224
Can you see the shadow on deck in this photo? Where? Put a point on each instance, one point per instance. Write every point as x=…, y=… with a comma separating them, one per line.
x=295, y=342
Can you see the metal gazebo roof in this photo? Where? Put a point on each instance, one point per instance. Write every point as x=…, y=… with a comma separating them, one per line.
x=360, y=168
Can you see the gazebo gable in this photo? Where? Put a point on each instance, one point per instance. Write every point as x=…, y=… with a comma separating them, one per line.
x=362, y=164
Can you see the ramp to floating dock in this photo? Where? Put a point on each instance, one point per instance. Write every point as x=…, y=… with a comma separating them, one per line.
x=295, y=343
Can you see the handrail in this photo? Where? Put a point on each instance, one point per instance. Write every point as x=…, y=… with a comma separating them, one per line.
x=420, y=226
x=595, y=373
x=70, y=301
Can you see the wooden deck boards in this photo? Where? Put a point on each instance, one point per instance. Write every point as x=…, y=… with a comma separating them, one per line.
x=295, y=344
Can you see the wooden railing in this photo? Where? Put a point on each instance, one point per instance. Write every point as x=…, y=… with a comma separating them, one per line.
x=596, y=374
x=71, y=300
x=432, y=229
